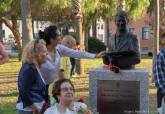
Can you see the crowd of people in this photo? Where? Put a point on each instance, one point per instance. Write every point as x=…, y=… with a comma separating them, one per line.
x=41, y=67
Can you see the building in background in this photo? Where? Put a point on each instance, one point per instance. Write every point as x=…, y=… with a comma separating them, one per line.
x=100, y=30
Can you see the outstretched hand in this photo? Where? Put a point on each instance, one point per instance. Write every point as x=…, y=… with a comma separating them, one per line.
x=100, y=54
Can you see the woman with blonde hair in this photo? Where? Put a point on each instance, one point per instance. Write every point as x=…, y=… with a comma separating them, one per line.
x=31, y=85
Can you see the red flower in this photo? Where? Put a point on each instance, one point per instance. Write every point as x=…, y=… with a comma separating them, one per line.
x=115, y=69
x=81, y=100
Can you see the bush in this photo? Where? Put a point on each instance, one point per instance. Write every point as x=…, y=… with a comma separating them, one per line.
x=95, y=45
x=150, y=54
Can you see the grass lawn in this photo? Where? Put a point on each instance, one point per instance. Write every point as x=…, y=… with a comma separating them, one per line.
x=9, y=93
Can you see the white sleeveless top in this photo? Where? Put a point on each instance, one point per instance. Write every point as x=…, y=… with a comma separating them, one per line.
x=54, y=110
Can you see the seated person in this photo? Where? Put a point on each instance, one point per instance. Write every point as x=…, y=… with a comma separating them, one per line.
x=64, y=93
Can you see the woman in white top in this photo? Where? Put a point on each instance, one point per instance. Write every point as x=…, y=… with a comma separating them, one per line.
x=64, y=93
x=50, y=69
x=52, y=37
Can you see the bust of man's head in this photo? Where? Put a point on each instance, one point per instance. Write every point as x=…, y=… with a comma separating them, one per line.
x=121, y=20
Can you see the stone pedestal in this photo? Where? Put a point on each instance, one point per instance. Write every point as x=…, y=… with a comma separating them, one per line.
x=122, y=93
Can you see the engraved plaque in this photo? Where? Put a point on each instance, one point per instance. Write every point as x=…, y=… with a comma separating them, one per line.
x=118, y=97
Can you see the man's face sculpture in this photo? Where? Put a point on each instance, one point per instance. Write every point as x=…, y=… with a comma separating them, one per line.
x=121, y=22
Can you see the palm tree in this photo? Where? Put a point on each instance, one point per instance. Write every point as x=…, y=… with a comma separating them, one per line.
x=76, y=10
x=27, y=33
x=156, y=29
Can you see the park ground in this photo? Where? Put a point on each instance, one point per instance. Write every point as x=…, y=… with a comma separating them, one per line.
x=9, y=77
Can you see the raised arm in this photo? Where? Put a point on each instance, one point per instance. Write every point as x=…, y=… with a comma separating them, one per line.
x=65, y=51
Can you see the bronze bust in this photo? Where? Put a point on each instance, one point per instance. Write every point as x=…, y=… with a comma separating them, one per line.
x=123, y=46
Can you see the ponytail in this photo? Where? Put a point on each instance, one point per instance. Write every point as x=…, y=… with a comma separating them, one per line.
x=49, y=33
x=41, y=34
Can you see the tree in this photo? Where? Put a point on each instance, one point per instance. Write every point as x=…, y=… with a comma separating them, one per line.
x=156, y=29
x=9, y=14
x=27, y=32
x=76, y=10
x=9, y=10
x=162, y=22
x=162, y=17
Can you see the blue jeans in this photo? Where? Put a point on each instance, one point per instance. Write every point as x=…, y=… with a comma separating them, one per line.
x=73, y=66
x=160, y=96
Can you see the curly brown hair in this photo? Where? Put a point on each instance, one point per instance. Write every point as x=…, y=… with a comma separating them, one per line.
x=57, y=87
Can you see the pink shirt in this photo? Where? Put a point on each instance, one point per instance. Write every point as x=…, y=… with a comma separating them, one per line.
x=2, y=49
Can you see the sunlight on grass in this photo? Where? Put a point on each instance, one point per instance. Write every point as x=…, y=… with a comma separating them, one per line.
x=12, y=66
x=7, y=109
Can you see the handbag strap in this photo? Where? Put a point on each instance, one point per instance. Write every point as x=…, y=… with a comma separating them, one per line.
x=40, y=74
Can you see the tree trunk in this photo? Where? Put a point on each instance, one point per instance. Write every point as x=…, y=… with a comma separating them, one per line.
x=94, y=29
x=27, y=31
x=17, y=35
x=33, y=28
x=86, y=38
x=76, y=10
x=66, y=30
x=1, y=32
x=80, y=65
x=13, y=27
x=106, y=41
x=156, y=29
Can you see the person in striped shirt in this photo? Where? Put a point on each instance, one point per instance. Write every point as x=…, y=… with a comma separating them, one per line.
x=159, y=77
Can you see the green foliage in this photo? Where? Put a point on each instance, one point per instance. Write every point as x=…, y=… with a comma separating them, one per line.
x=94, y=9
x=56, y=10
x=108, y=8
x=89, y=6
x=95, y=45
x=5, y=5
x=8, y=109
x=60, y=3
x=10, y=7
x=137, y=8
x=91, y=9
x=37, y=6
x=151, y=7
